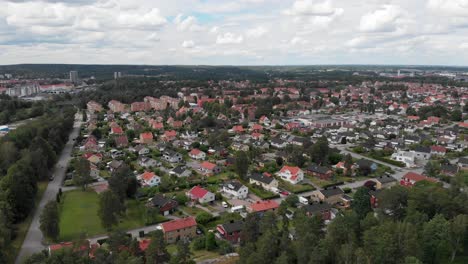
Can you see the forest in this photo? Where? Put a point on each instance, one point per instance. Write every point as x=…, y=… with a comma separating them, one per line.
x=27, y=155
x=14, y=109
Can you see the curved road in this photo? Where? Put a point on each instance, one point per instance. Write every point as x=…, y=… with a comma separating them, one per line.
x=33, y=240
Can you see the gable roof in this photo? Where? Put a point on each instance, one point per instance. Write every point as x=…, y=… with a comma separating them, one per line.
x=208, y=165
x=292, y=169
x=178, y=224
x=233, y=226
x=148, y=175
x=261, y=178
x=198, y=192
x=261, y=206
x=331, y=191
x=146, y=135
x=412, y=176
x=317, y=207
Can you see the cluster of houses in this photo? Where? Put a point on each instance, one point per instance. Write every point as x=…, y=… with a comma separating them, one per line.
x=153, y=143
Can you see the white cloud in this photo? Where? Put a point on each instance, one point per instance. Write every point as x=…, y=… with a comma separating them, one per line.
x=298, y=41
x=188, y=23
x=229, y=38
x=188, y=44
x=256, y=32
x=450, y=7
x=384, y=19
x=312, y=8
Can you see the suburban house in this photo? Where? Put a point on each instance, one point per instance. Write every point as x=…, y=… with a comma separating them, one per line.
x=278, y=143
x=449, y=169
x=200, y=195
x=320, y=172
x=331, y=195
x=365, y=163
x=208, y=168
x=181, y=171
x=231, y=230
x=140, y=150
x=291, y=174
x=410, y=178
x=121, y=141
x=114, y=165
x=319, y=209
x=407, y=157
x=165, y=205
x=384, y=181
x=438, y=150
x=179, y=229
x=263, y=206
x=148, y=178
x=172, y=156
x=94, y=158
x=169, y=135
x=146, y=162
x=197, y=154
x=146, y=138
x=422, y=152
x=235, y=189
x=463, y=163
x=267, y=182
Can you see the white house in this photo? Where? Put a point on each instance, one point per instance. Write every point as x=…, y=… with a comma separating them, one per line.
x=197, y=154
x=406, y=157
x=291, y=174
x=235, y=190
x=201, y=195
x=148, y=178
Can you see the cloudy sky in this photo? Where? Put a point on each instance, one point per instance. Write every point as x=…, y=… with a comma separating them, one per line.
x=236, y=32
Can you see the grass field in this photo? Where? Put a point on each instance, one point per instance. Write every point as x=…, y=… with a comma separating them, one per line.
x=79, y=215
x=22, y=228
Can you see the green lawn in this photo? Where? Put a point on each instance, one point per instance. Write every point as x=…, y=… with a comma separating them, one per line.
x=295, y=188
x=78, y=215
x=191, y=210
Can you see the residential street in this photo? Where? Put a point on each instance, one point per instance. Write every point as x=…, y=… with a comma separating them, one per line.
x=33, y=241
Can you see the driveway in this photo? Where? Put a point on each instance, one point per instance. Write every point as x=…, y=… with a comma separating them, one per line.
x=33, y=241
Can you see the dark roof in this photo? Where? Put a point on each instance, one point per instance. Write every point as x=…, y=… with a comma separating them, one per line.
x=316, y=208
x=159, y=200
x=277, y=141
x=318, y=169
x=179, y=169
x=332, y=191
x=261, y=178
x=233, y=226
x=463, y=160
x=233, y=185
x=449, y=168
x=375, y=193
x=422, y=149
x=385, y=179
x=171, y=153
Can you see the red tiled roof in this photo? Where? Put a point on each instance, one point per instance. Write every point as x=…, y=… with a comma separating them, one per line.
x=60, y=246
x=208, y=165
x=89, y=155
x=146, y=135
x=178, y=224
x=148, y=175
x=463, y=124
x=438, y=149
x=144, y=244
x=293, y=170
x=261, y=206
x=195, y=152
x=198, y=192
x=412, y=176
x=170, y=133
x=117, y=130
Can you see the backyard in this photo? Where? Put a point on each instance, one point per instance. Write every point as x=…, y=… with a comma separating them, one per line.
x=79, y=215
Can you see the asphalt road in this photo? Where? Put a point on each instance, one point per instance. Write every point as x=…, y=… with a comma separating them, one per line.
x=33, y=241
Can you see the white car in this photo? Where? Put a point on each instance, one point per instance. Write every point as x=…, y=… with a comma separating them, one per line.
x=225, y=205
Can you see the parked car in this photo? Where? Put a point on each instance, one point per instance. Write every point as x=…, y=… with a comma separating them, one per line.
x=225, y=205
